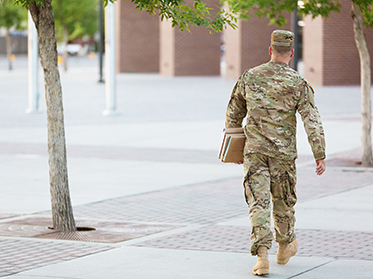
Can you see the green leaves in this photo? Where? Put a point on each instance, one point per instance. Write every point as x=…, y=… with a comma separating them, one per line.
x=26, y=3
x=183, y=15
x=215, y=19
x=275, y=9
x=78, y=18
x=11, y=15
x=366, y=7
x=319, y=7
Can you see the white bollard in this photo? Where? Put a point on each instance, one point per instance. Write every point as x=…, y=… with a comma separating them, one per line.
x=110, y=81
x=33, y=60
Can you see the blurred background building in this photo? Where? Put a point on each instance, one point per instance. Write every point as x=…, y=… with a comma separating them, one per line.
x=327, y=51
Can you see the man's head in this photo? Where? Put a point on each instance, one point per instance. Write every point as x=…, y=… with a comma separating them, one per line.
x=282, y=43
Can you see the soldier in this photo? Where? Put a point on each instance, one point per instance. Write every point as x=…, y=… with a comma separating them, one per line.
x=270, y=95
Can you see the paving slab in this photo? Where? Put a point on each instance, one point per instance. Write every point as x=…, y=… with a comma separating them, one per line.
x=92, y=180
x=144, y=263
x=349, y=210
x=341, y=269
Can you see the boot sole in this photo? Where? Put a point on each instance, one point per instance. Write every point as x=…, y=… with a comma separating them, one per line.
x=261, y=272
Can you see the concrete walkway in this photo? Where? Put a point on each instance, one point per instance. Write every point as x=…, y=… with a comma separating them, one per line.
x=150, y=183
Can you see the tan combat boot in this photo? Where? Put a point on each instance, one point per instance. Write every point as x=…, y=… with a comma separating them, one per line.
x=286, y=251
x=262, y=265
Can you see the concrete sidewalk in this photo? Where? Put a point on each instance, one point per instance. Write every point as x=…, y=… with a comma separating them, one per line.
x=150, y=183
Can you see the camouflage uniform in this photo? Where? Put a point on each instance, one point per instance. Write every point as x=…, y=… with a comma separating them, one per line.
x=270, y=95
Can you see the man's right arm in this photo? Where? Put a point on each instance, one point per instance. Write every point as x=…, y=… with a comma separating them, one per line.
x=312, y=121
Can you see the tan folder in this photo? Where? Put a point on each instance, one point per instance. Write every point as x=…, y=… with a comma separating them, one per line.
x=231, y=149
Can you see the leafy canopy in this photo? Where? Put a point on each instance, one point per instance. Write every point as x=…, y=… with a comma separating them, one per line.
x=273, y=9
x=183, y=15
x=11, y=15
x=179, y=12
x=79, y=18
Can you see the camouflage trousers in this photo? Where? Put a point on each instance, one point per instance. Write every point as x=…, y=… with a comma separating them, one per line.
x=268, y=178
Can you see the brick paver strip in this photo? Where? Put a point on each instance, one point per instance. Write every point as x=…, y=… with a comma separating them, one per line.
x=214, y=201
x=336, y=244
x=333, y=181
x=22, y=255
x=204, y=203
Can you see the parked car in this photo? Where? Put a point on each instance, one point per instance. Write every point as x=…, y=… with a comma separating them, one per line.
x=72, y=49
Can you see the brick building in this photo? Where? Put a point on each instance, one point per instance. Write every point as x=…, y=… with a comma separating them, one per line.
x=330, y=55
x=144, y=44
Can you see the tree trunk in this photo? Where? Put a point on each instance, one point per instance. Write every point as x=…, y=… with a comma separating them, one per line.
x=365, y=77
x=65, y=53
x=9, y=49
x=62, y=212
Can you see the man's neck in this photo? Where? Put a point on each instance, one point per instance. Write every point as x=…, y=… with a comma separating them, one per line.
x=285, y=60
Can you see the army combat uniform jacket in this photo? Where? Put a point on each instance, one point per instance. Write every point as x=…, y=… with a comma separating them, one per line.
x=270, y=95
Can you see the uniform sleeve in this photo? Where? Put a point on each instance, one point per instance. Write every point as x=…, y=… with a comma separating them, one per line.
x=236, y=110
x=311, y=120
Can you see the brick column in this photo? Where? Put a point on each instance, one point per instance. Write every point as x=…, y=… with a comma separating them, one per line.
x=233, y=52
x=189, y=53
x=137, y=39
x=167, y=49
x=313, y=50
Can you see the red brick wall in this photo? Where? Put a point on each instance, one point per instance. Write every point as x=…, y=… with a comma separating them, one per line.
x=197, y=52
x=137, y=39
x=340, y=63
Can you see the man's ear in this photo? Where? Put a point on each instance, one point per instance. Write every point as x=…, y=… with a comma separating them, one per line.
x=292, y=53
x=270, y=51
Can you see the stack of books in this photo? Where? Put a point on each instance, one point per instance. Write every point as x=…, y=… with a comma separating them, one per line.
x=231, y=150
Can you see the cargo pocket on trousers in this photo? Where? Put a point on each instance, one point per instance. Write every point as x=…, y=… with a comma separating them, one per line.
x=249, y=196
x=290, y=191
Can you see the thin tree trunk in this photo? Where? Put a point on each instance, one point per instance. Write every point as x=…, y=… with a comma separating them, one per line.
x=65, y=54
x=9, y=49
x=62, y=212
x=365, y=77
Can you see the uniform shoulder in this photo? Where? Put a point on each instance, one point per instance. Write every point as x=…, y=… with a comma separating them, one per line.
x=255, y=70
x=297, y=77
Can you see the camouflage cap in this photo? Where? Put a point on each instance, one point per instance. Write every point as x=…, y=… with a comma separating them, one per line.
x=282, y=38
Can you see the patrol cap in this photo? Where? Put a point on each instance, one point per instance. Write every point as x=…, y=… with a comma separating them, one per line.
x=282, y=38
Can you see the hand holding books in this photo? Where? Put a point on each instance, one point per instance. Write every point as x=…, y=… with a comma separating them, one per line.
x=231, y=150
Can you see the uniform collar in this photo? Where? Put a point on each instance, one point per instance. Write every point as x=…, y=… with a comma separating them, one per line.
x=279, y=63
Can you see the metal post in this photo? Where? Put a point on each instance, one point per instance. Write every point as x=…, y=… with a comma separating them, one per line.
x=296, y=45
x=33, y=57
x=101, y=39
x=110, y=81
